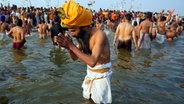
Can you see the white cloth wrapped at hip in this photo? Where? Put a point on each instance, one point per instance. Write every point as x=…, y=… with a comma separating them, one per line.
x=160, y=38
x=97, y=83
x=144, y=41
x=3, y=36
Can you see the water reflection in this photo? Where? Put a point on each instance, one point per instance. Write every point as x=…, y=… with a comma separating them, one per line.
x=42, y=74
x=41, y=42
x=18, y=55
x=8, y=72
x=3, y=100
x=58, y=56
x=143, y=58
x=124, y=59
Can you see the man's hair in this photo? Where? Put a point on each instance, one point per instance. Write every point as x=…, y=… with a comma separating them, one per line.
x=128, y=16
x=42, y=21
x=149, y=15
x=83, y=41
x=19, y=22
x=56, y=18
x=135, y=23
x=154, y=19
x=163, y=18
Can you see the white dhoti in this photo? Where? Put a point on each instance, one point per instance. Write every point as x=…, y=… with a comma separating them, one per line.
x=160, y=38
x=2, y=36
x=144, y=41
x=97, y=83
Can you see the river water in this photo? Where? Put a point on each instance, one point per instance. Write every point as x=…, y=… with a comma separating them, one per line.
x=43, y=74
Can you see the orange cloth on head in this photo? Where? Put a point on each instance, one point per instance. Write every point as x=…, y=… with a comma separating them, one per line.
x=75, y=15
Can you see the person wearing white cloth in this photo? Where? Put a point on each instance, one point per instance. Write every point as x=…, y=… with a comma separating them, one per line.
x=93, y=49
x=4, y=27
x=162, y=21
x=97, y=83
x=145, y=31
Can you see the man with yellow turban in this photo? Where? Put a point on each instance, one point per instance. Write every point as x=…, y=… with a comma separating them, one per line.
x=93, y=48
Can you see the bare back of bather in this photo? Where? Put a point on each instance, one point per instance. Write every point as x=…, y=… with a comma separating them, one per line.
x=3, y=27
x=125, y=32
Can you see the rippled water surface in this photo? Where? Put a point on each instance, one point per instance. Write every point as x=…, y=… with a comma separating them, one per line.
x=42, y=74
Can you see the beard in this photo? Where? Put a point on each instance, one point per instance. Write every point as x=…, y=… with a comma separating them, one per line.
x=83, y=41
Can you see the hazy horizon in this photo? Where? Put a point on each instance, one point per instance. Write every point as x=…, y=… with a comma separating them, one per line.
x=136, y=5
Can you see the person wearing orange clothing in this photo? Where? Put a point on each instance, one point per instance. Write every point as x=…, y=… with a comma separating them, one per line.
x=22, y=15
x=50, y=15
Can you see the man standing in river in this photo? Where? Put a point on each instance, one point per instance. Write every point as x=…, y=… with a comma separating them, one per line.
x=93, y=49
x=125, y=33
x=3, y=27
x=18, y=35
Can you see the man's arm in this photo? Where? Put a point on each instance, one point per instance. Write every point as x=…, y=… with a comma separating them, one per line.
x=7, y=27
x=92, y=59
x=72, y=55
x=160, y=15
x=37, y=26
x=10, y=33
x=116, y=36
x=22, y=35
x=97, y=48
x=150, y=29
x=169, y=16
x=48, y=29
x=134, y=39
x=139, y=30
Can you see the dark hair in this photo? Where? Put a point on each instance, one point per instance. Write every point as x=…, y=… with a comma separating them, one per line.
x=163, y=18
x=83, y=41
x=19, y=22
x=154, y=19
x=149, y=15
x=42, y=21
x=135, y=23
x=56, y=18
x=128, y=16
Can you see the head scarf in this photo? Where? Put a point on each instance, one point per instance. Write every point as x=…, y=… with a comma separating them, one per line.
x=73, y=14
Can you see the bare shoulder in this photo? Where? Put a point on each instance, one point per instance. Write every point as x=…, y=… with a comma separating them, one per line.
x=13, y=28
x=121, y=24
x=99, y=33
x=129, y=26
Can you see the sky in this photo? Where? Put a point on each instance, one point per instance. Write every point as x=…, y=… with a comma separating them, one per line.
x=137, y=5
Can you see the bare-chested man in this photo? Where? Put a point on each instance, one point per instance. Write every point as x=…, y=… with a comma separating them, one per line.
x=161, y=26
x=171, y=32
x=18, y=35
x=125, y=32
x=145, y=31
x=136, y=27
x=179, y=29
x=94, y=50
x=110, y=25
x=43, y=30
x=3, y=27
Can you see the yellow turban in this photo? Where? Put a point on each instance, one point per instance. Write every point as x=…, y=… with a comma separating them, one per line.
x=74, y=14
